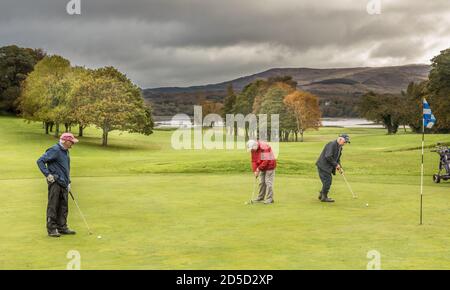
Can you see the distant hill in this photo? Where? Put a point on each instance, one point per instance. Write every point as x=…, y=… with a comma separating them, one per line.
x=338, y=88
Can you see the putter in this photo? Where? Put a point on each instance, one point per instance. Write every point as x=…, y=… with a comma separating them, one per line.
x=253, y=193
x=348, y=185
x=81, y=214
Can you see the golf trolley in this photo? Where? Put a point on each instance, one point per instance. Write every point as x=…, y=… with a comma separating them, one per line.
x=444, y=163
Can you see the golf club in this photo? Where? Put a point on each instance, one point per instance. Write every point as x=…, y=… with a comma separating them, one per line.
x=348, y=185
x=81, y=214
x=253, y=193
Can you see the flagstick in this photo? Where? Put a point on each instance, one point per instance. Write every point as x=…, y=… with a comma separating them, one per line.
x=421, y=172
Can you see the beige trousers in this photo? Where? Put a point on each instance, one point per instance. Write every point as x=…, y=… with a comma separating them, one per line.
x=266, y=179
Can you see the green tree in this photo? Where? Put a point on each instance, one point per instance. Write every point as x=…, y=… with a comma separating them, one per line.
x=228, y=108
x=286, y=79
x=113, y=102
x=413, y=105
x=439, y=90
x=386, y=109
x=272, y=103
x=78, y=76
x=15, y=64
x=244, y=100
x=45, y=92
x=229, y=101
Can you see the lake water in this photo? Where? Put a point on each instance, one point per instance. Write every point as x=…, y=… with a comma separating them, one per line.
x=326, y=122
x=349, y=123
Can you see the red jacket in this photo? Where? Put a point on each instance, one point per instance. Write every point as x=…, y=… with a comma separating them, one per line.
x=263, y=157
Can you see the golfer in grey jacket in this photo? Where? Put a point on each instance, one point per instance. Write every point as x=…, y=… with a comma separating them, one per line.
x=329, y=161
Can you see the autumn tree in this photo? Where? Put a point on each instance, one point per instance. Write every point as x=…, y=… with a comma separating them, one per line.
x=211, y=107
x=305, y=108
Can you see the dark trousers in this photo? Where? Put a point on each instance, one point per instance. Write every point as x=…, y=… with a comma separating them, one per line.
x=57, y=207
x=326, y=179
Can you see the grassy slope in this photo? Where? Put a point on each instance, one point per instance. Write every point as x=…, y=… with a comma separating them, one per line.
x=157, y=208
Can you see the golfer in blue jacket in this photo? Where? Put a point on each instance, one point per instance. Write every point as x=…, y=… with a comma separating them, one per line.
x=55, y=165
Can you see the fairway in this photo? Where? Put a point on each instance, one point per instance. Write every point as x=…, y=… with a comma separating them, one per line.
x=159, y=208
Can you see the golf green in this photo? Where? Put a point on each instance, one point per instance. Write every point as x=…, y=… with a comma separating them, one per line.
x=159, y=208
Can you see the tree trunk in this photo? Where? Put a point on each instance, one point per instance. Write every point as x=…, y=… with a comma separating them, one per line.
x=66, y=127
x=51, y=126
x=47, y=127
x=105, y=137
x=301, y=136
x=392, y=128
x=246, y=133
x=80, y=130
x=299, y=129
x=56, y=130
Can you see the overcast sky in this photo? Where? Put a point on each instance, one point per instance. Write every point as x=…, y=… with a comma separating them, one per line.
x=192, y=42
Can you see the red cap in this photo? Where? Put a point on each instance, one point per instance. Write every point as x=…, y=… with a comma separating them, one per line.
x=68, y=137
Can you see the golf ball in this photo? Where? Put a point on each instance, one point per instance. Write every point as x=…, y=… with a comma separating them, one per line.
x=99, y=237
x=367, y=204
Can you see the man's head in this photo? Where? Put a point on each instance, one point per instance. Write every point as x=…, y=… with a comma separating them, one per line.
x=343, y=139
x=252, y=145
x=67, y=140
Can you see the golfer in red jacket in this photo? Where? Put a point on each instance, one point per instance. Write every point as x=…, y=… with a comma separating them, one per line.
x=263, y=165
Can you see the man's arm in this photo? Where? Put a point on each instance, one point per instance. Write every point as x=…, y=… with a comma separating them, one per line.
x=48, y=156
x=254, y=166
x=339, y=158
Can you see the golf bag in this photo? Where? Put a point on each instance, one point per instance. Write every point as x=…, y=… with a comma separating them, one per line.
x=444, y=164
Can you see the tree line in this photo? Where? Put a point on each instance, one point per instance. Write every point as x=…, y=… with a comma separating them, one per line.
x=298, y=110
x=405, y=108
x=49, y=90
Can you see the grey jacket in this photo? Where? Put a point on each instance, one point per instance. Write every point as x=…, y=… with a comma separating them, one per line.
x=330, y=157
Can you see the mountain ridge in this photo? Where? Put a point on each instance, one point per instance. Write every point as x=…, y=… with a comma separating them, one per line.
x=340, y=85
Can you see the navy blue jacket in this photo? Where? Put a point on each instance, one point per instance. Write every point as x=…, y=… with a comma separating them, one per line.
x=330, y=157
x=56, y=161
